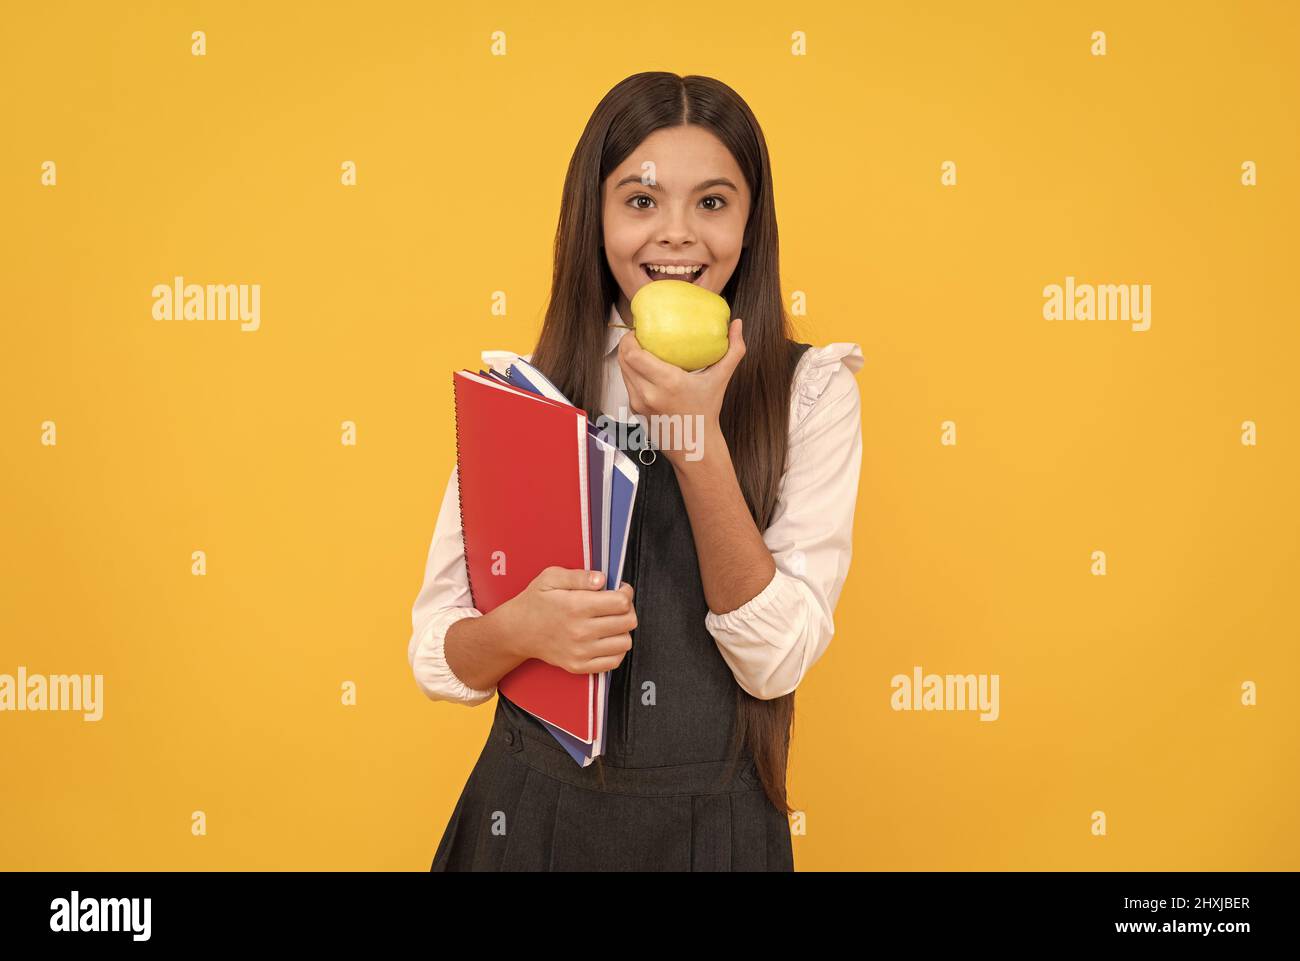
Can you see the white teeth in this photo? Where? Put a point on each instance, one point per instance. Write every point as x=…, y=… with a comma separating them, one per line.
x=676, y=270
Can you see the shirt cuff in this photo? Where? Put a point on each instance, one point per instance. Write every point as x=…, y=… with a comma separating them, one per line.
x=760, y=641
x=745, y=614
x=429, y=663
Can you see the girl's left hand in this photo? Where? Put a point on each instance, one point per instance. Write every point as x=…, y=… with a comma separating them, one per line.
x=656, y=387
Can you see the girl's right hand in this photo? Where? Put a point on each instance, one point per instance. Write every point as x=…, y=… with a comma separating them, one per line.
x=564, y=619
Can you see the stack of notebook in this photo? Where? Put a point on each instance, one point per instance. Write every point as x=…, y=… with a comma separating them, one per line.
x=540, y=485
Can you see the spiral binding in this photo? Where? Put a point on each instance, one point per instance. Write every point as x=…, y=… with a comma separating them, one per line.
x=459, y=509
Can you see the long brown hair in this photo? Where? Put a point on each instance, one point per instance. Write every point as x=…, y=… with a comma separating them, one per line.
x=755, y=409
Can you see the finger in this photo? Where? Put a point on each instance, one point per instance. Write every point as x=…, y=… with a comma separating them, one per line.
x=646, y=364
x=602, y=664
x=629, y=372
x=603, y=604
x=571, y=579
x=611, y=646
x=654, y=369
x=628, y=345
x=633, y=354
x=735, y=348
x=633, y=384
x=613, y=625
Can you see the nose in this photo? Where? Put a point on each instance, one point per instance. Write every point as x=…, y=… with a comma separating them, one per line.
x=677, y=227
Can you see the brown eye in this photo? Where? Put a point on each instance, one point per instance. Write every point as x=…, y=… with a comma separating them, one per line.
x=634, y=199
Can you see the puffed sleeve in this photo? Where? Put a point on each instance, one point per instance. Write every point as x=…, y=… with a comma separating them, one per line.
x=771, y=641
x=444, y=599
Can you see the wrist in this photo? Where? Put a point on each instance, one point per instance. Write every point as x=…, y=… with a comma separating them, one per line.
x=711, y=452
x=510, y=640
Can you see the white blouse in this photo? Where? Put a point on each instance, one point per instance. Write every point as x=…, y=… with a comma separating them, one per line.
x=770, y=642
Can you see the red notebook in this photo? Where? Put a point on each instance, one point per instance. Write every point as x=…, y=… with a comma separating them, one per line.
x=522, y=473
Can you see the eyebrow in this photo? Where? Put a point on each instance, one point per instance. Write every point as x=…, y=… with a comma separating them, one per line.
x=715, y=182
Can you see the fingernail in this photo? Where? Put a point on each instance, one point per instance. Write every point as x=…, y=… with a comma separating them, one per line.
x=595, y=578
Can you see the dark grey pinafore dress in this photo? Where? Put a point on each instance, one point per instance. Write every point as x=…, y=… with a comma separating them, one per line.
x=672, y=797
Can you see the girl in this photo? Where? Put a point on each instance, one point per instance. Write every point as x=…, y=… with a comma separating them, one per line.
x=736, y=558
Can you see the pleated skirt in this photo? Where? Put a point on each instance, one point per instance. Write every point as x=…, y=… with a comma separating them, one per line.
x=527, y=806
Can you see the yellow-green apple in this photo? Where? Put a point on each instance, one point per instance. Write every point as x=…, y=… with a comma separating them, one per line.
x=681, y=323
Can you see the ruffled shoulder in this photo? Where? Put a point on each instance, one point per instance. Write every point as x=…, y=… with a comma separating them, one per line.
x=814, y=372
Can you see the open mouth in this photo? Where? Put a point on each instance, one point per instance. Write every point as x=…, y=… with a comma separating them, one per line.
x=689, y=274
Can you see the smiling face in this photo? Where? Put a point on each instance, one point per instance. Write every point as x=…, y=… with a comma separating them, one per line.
x=679, y=201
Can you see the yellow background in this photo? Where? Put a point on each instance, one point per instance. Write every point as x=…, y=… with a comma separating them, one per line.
x=1119, y=693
